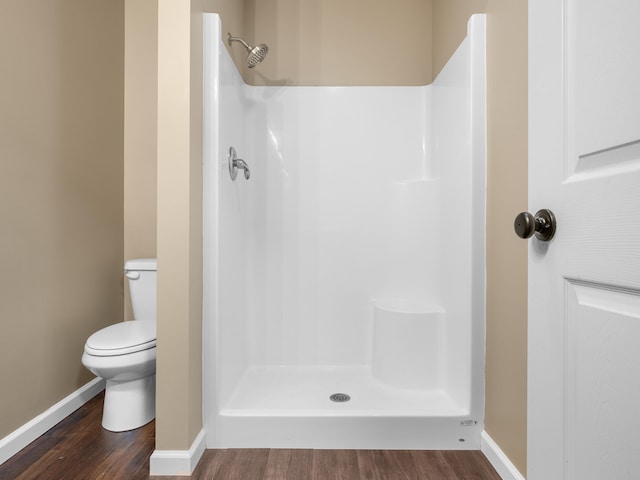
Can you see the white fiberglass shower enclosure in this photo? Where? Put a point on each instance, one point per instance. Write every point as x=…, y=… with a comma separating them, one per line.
x=350, y=262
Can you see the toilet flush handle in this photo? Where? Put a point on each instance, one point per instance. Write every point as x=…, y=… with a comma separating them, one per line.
x=132, y=275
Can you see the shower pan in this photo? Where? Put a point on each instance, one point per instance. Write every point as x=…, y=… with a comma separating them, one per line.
x=345, y=277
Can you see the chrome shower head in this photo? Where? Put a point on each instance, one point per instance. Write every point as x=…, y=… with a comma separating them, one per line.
x=256, y=54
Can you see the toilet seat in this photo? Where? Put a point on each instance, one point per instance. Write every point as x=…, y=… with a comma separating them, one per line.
x=122, y=338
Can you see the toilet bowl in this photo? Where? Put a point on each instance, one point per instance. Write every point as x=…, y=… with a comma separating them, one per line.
x=124, y=354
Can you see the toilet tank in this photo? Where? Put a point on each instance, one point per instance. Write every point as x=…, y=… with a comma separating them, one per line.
x=141, y=273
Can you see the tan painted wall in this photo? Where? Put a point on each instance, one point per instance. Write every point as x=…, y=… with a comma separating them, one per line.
x=163, y=195
x=337, y=42
x=140, y=131
x=179, y=355
x=450, y=27
x=506, y=378
x=61, y=190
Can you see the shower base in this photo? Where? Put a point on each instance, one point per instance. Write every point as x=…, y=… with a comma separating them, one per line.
x=289, y=407
x=305, y=391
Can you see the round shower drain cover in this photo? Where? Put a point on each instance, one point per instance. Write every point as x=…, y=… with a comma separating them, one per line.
x=339, y=397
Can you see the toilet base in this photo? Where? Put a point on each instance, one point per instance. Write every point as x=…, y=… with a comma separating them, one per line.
x=129, y=405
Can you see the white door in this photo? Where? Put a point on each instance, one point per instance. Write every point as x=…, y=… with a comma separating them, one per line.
x=584, y=285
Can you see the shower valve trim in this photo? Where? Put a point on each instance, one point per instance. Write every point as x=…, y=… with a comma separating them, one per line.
x=235, y=164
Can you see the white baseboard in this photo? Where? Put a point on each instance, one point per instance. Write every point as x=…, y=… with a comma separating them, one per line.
x=23, y=436
x=178, y=462
x=498, y=459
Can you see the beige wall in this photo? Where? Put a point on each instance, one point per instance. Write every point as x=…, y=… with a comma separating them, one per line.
x=450, y=27
x=163, y=195
x=140, y=131
x=61, y=141
x=337, y=42
x=179, y=356
x=333, y=42
x=506, y=378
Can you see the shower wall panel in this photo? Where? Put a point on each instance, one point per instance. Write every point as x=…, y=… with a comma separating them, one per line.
x=225, y=260
x=347, y=215
x=457, y=152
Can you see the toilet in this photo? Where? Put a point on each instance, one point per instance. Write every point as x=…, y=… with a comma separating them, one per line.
x=124, y=354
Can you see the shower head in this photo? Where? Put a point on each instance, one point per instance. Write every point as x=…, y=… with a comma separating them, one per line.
x=256, y=54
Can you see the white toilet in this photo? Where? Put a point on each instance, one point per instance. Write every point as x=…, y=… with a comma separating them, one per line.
x=124, y=354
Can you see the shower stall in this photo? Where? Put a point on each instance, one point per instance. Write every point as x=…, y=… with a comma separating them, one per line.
x=344, y=266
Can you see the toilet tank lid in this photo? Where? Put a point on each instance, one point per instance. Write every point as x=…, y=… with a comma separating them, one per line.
x=145, y=264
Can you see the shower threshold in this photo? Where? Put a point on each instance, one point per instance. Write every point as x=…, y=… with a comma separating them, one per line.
x=305, y=391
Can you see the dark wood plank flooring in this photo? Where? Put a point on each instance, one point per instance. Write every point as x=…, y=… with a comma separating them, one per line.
x=266, y=464
x=79, y=448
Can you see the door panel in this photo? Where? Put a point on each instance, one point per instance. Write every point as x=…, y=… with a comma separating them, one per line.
x=584, y=285
x=603, y=328
x=603, y=72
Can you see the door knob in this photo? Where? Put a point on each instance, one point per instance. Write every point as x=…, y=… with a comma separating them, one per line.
x=543, y=225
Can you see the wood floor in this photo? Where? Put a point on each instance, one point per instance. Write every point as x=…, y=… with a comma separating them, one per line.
x=342, y=465
x=79, y=448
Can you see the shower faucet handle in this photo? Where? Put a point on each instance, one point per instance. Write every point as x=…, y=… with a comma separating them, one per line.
x=236, y=163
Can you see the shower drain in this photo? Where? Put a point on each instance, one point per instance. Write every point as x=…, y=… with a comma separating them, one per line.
x=339, y=397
